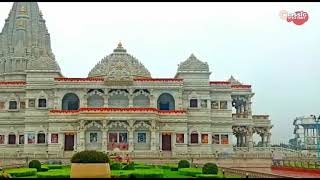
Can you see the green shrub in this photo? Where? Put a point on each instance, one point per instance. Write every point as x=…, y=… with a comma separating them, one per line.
x=90, y=156
x=55, y=166
x=116, y=166
x=56, y=173
x=35, y=164
x=183, y=164
x=129, y=166
x=208, y=176
x=43, y=169
x=190, y=171
x=174, y=169
x=210, y=168
x=21, y=172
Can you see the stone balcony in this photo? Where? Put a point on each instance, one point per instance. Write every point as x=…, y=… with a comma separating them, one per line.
x=261, y=120
x=241, y=119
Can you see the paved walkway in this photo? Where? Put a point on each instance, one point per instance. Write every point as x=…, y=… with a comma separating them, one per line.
x=284, y=173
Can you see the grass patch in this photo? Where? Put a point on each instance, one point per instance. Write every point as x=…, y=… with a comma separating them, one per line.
x=190, y=171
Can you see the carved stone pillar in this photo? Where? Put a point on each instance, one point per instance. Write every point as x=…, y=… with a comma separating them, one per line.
x=268, y=139
x=104, y=139
x=262, y=139
x=130, y=140
x=153, y=140
x=238, y=140
x=81, y=137
x=82, y=140
x=250, y=138
x=106, y=101
x=130, y=96
x=241, y=140
x=84, y=100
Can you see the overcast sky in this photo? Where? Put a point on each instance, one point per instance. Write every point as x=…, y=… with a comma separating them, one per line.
x=248, y=40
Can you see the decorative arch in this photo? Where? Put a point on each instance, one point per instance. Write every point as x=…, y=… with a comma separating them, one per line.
x=117, y=124
x=118, y=98
x=13, y=102
x=141, y=100
x=142, y=124
x=95, y=101
x=42, y=100
x=70, y=101
x=166, y=102
x=93, y=124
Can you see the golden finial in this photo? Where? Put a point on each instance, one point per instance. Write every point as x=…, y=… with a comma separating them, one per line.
x=23, y=10
x=119, y=44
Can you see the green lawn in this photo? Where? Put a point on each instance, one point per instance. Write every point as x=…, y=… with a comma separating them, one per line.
x=151, y=171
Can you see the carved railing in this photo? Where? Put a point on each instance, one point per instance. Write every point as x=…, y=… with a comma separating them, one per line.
x=131, y=110
x=250, y=174
x=120, y=146
x=240, y=115
x=241, y=86
x=260, y=117
x=266, y=149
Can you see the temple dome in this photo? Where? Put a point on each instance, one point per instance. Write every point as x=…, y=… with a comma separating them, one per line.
x=193, y=64
x=119, y=64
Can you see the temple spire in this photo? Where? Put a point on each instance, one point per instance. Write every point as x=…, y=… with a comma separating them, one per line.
x=25, y=36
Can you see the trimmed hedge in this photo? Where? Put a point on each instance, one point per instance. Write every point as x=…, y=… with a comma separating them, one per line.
x=208, y=176
x=57, y=173
x=147, y=174
x=210, y=168
x=190, y=171
x=143, y=167
x=43, y=169
x=116, y=166
x=183, y=164
x=21, y=172
x=172, y=167
x=90, y=156
x=121, y=174
x=35, y=164
x=55, y=166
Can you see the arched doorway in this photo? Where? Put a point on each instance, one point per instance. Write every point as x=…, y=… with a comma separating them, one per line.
x=166, y=102
x=70, y=101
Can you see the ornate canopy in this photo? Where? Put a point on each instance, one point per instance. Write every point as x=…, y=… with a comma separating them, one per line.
x=193, y=64
x=119, y=65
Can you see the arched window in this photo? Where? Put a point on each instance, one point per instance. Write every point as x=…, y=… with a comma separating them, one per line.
x=95, y=101
x=141, y=101
x=118, y=100
x=70, y=101
x=166, y=102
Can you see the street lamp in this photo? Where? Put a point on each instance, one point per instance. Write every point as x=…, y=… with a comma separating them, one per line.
x=317, y=120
